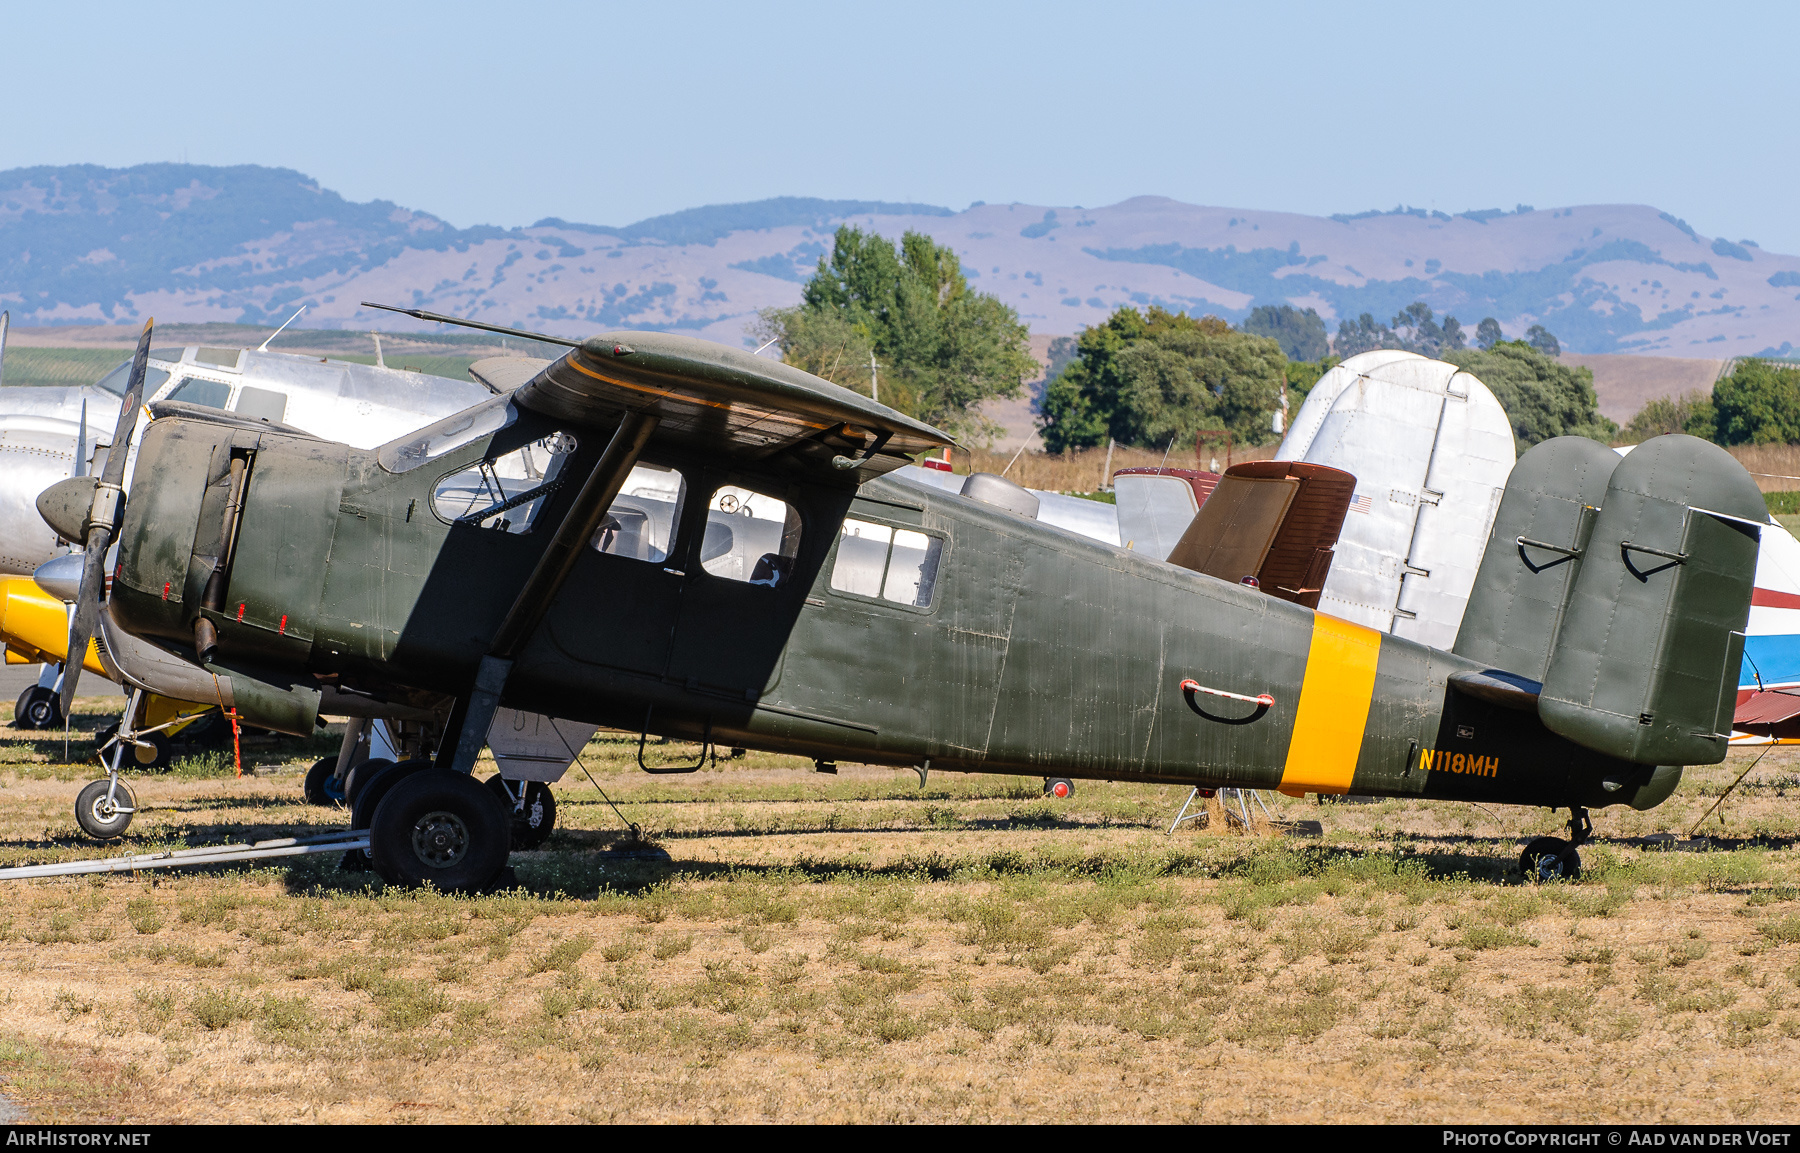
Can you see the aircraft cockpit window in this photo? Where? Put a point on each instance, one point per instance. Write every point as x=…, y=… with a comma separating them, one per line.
x=199, y=390
x=749, y=537
x=507, y=492
x=874, y=560
x=116, y=380
x=642, y=519
x=447, y=435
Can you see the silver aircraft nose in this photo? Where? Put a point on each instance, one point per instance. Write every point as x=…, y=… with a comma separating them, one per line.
x=61, y=578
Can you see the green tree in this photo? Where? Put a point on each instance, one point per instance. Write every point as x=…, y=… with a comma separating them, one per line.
x=1692, y=414
x=1542, y=339
x=941, y=347
x=1147, y=378
x=1414, y=329
x=1542, y=398
x=1301, y=335
x=1758, y=403
x=1488, y=334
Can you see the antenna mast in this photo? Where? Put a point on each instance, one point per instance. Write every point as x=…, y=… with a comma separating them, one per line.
x=264, y=347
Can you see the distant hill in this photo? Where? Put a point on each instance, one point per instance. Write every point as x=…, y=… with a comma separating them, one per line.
x=87, y=245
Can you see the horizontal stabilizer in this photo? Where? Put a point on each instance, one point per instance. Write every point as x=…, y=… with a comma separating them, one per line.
x=1645, y=664
x=1496, y=687
x=725, y=402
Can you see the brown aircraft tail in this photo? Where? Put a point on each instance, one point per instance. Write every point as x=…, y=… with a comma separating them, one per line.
x=1275, y=520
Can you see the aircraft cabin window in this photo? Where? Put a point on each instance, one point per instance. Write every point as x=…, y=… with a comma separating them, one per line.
x=643, y=516
x=749, y=537
x=447, y=435
x=508, y=492
x=262, y=404
x=116, y=380
x=874, y=560
x=198, y=390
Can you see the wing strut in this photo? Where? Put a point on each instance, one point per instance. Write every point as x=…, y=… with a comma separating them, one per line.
x=539, y=591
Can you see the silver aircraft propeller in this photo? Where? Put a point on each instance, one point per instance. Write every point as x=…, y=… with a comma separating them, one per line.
x=103, y=522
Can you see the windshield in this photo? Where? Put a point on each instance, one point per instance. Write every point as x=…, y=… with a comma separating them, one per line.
x=434, y=440
x=116, y=380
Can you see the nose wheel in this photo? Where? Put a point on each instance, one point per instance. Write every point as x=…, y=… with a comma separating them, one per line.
x=1062, y=788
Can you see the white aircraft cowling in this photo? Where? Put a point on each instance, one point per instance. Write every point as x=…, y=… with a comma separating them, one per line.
x=1431, y=449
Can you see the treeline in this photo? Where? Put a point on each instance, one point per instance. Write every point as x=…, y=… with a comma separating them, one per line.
x=1154, y=378
x=902, y=322
x=1759, y=403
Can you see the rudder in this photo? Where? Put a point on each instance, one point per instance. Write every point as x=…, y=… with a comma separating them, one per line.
x=1644, y=664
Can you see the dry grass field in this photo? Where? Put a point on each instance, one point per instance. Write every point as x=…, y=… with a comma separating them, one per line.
x=859, y=948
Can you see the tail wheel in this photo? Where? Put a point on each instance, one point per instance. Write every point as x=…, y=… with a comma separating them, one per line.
x=533, y=822
x=101, y=818
x=1550, y=859
x=1059, y=787
x=440, y=827
x=322, y=785
x=37, y=708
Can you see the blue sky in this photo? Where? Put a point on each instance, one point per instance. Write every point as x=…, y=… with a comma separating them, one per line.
x=503, y=114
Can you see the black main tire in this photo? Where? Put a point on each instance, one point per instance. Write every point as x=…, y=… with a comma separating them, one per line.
x=1550, y=859
x=153, y=759
x=98, y=819
x=530, y=827
x=322, y=786
x=371, y=790
x=440, y=827
x=360, y=775
x=37, y=708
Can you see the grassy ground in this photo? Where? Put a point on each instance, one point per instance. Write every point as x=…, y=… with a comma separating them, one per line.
x=861, y=948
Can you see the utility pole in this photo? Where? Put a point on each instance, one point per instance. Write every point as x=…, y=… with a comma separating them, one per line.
x=874, y=384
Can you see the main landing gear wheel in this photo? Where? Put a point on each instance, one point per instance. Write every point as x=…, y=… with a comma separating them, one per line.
x=153, y=753
x=441, y=827
x=1550, y=859
x=532, y=822
x=37, y=708
x=1059, y=787
x=361, y=775
x=101, y=816
x=322, y=785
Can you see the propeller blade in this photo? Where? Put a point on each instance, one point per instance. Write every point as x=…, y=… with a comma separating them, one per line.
x=5, y=320
x=105, y=523
x=80, y=468
x=129, y=408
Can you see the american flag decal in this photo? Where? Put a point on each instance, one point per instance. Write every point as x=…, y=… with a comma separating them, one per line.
x=1360, y=503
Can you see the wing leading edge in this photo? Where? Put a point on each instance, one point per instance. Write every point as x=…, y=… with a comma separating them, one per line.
x=725, y=401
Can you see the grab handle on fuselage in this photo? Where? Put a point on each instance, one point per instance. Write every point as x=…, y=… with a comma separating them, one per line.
x=1262, y=701
x=705, y=747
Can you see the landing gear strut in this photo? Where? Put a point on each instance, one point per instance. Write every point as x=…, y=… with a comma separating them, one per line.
x=1554, y=859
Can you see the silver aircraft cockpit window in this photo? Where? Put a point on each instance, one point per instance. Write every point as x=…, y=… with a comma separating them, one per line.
x=447, y=435
x=506, y=492
x=641, y=522
x=199, y=390
x=898, y=565
x=116, y=380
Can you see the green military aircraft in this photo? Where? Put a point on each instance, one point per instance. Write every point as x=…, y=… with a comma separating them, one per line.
x=707, y=548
